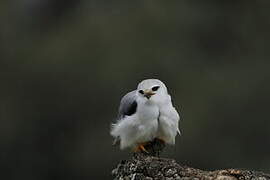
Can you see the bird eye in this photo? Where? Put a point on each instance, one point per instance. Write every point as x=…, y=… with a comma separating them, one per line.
x=155, y=88
x=141, y=92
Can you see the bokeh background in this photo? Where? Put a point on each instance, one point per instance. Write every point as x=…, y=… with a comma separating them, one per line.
x=65, y=64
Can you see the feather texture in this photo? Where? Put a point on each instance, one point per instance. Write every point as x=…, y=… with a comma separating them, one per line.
x=142, y=119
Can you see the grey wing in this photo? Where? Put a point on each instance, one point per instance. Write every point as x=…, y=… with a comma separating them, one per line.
x=128, y=105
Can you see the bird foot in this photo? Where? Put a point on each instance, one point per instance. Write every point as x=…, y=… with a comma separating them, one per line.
x=152, y=148
x=141, y=147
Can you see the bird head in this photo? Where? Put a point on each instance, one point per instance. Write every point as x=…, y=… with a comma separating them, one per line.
x=152, y=89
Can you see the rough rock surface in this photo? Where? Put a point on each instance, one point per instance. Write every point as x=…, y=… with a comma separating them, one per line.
x=146, y=165
x=143, y=166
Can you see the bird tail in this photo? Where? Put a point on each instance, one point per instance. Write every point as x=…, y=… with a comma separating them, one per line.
x=179, y=132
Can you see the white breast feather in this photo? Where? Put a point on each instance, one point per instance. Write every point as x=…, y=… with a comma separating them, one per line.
x=138, y=128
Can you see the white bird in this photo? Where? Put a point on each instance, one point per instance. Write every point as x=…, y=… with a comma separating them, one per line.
x=145, y=114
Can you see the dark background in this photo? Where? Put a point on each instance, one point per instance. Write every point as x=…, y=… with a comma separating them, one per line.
x=65, y=64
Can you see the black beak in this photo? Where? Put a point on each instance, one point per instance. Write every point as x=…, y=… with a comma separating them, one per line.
x=148, y=94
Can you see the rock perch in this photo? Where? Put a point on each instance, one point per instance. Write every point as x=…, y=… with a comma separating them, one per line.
x=143, y=166
x=149, y=167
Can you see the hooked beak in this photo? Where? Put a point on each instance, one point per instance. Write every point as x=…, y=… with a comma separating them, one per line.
x=148, y=93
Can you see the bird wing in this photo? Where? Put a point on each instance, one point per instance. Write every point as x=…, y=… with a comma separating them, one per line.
x=168, y=123
x=128, y=105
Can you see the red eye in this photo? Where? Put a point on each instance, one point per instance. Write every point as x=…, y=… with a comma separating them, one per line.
x=155, y=88
x=141, y=92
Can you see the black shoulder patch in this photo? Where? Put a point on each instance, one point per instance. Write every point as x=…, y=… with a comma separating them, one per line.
x=131, y=109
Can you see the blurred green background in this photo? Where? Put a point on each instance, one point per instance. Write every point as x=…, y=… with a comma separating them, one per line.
x=65, y=64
